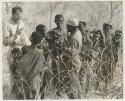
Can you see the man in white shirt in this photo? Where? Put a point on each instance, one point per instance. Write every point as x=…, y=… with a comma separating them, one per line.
x=13, y=36
x=13, y=33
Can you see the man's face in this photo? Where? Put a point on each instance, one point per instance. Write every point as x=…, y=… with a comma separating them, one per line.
x=59, y=22
x=18, y=15
x=43, y=32
x=97, y=36
x=118, y=36
x=107, y=29
x=69, y=28
x=81, y=26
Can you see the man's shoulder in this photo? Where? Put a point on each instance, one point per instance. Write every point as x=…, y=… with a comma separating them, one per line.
x=7, y=22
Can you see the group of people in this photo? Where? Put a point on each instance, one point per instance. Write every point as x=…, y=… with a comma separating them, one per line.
x=54, y=58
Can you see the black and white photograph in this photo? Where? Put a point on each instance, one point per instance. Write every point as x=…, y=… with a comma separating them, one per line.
x=62, y=50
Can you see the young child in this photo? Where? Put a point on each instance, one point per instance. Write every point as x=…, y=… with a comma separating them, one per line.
x=42, y=29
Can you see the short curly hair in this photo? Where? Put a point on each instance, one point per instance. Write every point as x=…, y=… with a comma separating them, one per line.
x=82, y=22
x=41, y=29
x=36, y=38
x=14, y=9
x=58, y=16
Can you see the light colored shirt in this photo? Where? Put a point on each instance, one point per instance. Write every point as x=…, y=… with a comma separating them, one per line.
x=10, y=29
x=75, y=42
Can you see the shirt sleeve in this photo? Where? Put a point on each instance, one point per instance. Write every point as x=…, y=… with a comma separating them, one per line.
x=74, y=47
x=25, y=38
x=6, y=34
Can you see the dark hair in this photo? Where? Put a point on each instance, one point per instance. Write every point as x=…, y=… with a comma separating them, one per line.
x=36, y=38
x=118, y=31
x=40, y=28
x=14, y=9
x=99, y=31
x=59, y=16
x=84, y=23
x=106, y=24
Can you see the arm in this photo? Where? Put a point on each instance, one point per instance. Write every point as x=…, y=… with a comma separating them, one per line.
x=24, y=37
x=8, y=37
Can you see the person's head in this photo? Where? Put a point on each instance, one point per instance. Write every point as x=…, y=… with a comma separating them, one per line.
x=118, y=34
x=72, y=25
x=35, y=38
x=42, y=29
x=17, y=13
x=82, y=25
x=107, y=28
x=52, y=35
x=97, y=34
x=59, y=20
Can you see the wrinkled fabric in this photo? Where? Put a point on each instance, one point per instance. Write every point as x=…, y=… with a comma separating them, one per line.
x=32, y=63
x=73, y=63
x=32, y=70
x=9, y=29
x=44, y=46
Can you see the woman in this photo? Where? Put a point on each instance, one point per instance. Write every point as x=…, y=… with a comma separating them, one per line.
x=32, y=66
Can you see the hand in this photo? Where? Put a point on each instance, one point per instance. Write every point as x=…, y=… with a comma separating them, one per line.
x=12, y=39
x=19, y=31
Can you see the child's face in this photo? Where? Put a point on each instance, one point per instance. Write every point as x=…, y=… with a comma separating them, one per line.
x=43, y=32
x=97, y=36
x=59, y=22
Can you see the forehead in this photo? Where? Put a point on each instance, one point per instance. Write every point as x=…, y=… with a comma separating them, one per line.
x=107, y=27
x=18, y=11
x=59, y=19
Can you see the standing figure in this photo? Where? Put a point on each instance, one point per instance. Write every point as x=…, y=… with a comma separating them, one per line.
x=14, y=36
x=96, y=51
x=116, y=44
x=56, y=39
x=86, y=44
x=106, y=56
x=42, y=29
x=73, y=62
x=32, y=67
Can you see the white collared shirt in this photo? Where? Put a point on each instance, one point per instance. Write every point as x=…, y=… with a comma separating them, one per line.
x=10, y=30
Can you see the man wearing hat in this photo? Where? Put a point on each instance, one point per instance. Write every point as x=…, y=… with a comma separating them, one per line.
x=73, y=62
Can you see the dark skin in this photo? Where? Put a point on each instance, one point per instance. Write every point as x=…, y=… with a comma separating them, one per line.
x=59, y=22
x=106, y=30
x=71, y=28
x=81, y=27
x=43, y=32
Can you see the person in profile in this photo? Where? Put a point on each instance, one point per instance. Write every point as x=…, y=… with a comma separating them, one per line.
x=32, y=66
